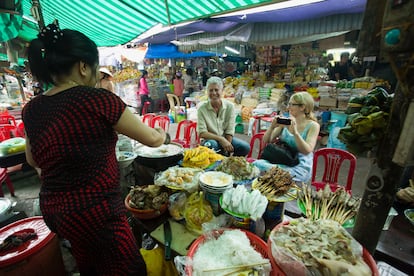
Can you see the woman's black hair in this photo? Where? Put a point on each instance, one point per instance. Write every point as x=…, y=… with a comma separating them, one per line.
x=144, y=73
x=55, y=52
x=189, y=71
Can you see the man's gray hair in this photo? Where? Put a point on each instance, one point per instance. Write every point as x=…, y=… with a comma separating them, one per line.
x=215, y=80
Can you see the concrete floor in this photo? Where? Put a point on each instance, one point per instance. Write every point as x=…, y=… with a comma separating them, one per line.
x=27, y=187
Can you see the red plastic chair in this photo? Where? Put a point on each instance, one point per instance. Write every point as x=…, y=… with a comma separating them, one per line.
x=7, y=120
x=4, y=177
x=186, y=134
x=7, y=132
x=256, y=138
x=147, y=118
x=162, y=121
x=333, y=160
x=20, y=130
x=145, y=107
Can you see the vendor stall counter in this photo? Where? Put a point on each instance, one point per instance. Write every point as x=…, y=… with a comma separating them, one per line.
x=395, y=247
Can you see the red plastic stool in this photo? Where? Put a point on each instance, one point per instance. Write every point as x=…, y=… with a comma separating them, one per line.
x=4, y=177
x=145, y=108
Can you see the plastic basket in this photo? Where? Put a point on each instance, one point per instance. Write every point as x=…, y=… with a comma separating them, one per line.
x=277, y=271
x=258, y=244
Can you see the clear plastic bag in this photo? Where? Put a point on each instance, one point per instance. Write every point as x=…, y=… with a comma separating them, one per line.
x=176, y=205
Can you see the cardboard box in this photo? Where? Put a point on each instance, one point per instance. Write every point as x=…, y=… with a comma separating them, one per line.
x=328, y=101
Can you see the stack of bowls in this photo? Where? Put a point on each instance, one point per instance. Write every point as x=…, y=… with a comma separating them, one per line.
x=213, y=185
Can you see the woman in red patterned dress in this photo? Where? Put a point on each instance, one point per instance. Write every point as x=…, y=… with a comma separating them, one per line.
x=71, y=134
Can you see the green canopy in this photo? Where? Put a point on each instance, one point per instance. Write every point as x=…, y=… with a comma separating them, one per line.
x=3, y=57
x=114, y=22
x=10, y=24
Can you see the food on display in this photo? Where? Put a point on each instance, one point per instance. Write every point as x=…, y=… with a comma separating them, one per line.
x=176, y=205
x=13, y=145
x=240, y=201
x=126, y=74
x=229, y=254
x=147, y=197
x=239, y=168
x=321, y=247
x=275, y=183
x=179, y=178
x=200, y=157
x=197, y=211
x=159, y=152
x=339, y=206
x=216, y=179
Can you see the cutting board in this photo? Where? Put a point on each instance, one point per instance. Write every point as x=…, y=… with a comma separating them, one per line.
x=181, y=237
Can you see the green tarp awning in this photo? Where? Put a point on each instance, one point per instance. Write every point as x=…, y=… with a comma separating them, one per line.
x=114, y=22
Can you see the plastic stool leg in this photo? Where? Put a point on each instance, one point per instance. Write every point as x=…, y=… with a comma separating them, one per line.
x=10, y=186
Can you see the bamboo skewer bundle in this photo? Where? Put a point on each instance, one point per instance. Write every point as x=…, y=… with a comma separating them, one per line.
x=325, y=204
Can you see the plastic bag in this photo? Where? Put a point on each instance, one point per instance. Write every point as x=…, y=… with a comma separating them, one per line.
x=176, y=205
x=315, y=242
x=156, y=265
x=179, y=178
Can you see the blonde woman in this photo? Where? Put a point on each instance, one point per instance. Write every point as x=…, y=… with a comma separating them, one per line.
x=301, y=134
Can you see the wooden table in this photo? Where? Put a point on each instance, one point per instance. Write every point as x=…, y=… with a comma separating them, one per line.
x=396, y=245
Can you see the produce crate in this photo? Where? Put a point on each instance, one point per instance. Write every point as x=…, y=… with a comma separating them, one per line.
x=328, y=101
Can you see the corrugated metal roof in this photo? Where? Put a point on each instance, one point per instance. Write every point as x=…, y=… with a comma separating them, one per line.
x=113, y=22
x=265, y=32
x=288, y=32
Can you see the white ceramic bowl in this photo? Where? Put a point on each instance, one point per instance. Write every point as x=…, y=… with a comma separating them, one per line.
x=125, y=158
x=216, y=180
x=409, y=214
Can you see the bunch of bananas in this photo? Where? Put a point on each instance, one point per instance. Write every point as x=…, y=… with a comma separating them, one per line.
x=200, y=157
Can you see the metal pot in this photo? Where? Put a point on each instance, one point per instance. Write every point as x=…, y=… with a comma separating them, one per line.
x=160, y=158
x=6, y=209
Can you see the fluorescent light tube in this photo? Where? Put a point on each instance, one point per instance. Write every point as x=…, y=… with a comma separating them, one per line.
x=234, y=51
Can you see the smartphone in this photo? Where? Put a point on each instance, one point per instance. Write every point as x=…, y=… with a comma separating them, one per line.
x=283, y=121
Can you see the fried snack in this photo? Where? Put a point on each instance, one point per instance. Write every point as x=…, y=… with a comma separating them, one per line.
x=274, y=183
x=200, y=157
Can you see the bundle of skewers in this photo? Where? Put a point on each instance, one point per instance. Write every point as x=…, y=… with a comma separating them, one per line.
x=339, y=206
x=275, y=183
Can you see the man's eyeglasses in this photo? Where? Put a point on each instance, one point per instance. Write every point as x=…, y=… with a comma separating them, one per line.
x=294, y=104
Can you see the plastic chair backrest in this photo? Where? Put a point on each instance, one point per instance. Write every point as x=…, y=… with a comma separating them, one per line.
x=20, y=130
x=182, y=129
x=174, y=101
x=192, y=134
x=7, y=132
x=147, y=118
x=162, y=121
x=258, y=137
x=186, y=134
x=333, y=160
x=7, y=120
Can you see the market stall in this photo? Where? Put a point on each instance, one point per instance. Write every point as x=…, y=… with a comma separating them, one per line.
x=200, y=191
